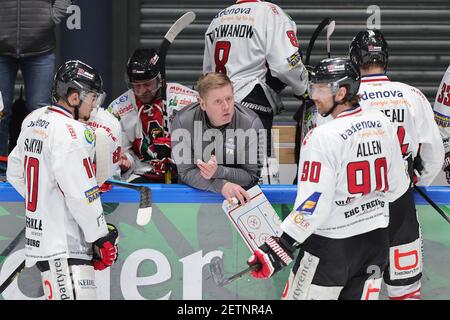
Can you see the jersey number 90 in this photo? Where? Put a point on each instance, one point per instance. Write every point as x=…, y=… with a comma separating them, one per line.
x=359, y=175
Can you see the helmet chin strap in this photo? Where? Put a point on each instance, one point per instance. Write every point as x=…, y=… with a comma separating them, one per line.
x=335, y=104
x=76, y=113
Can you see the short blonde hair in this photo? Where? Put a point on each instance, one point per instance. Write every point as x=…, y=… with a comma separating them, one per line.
x=210, y=81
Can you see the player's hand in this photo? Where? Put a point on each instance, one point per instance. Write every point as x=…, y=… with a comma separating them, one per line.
x=446, y=166
x=105, y=249
x=273, y=255
x=231, y=190
x=105, y=187
x=124, y=163
x=417, y=169
x=207, y=170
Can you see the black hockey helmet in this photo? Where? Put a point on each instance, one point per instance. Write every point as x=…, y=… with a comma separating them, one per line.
x=337, y=72
x=76, y=75
x=369, y=47
x=143, y=65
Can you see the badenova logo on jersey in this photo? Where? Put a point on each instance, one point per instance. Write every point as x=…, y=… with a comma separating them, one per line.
x=360, y=126
x=230, y=11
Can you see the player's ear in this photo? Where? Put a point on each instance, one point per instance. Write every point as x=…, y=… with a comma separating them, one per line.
x=74, y=98
x=202, y=103
x=342, y=92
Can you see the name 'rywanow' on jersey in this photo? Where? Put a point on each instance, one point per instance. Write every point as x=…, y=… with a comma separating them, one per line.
x=442, y=109
x=250, y=37
x=350, y=168
x=409, y=108
x=51, y=167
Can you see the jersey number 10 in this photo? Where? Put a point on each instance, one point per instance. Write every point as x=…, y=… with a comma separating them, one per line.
x=32, y=179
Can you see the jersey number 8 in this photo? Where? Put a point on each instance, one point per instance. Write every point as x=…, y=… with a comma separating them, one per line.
x=221, y=53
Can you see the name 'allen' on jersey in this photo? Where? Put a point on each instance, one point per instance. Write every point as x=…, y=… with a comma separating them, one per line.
x=350, y=168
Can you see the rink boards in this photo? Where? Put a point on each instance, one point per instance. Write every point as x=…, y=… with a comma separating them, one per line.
x=168, y=258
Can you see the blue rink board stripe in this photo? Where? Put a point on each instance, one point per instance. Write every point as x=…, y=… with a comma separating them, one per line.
x=167, y=193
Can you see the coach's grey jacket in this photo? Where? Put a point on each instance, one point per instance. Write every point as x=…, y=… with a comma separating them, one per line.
x=27, y=27
x=235, y=145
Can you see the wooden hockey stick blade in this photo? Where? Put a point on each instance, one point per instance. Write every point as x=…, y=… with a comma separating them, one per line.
x=103, y=159
x=330, y=30
x=314, y=36
x=11, y=277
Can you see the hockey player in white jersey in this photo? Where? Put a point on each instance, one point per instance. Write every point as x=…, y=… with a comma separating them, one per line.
x=67, y=236
x=421, y=146
x=442, y=117
x=145, y=145
x=350, y=168
x=255, y=43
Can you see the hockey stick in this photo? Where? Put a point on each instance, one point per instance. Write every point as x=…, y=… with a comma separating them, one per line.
x=217, y=273
x=170, y=36
x=330, y=30
x=6, y=252
x=102, y=156
x=431, y=202
x=325, y=22
x=144, y=214
x=13, y=243
x=103, y=172
x=300, y=114
x=11, y=277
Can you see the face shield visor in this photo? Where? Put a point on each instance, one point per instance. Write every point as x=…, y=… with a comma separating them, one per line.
x=322, y=90
x=147, y=85
x=94, y=97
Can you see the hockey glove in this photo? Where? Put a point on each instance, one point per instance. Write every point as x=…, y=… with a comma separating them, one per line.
x=273, y=255
x=105, y=187
x=417, y=169
x=105, y=249
x=161, y=147
x=446, y=166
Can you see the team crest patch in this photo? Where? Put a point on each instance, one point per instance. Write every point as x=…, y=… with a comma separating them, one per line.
x=309, y=205
x=89, y=135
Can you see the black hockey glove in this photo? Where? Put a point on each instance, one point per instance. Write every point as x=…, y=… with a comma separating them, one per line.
x=417, y=169
x=273, y=255
x=105, y=249
x=162, y=147
x=446, y=166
